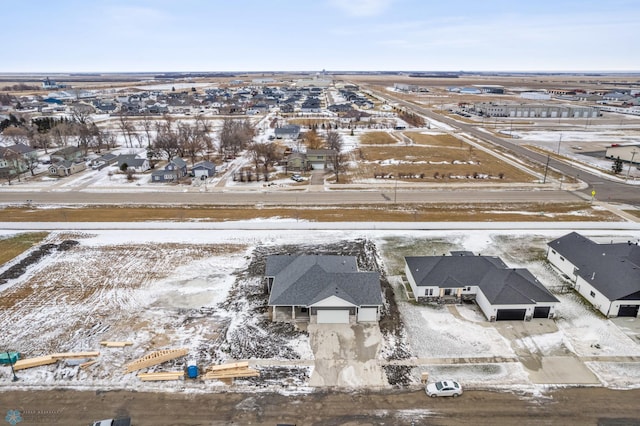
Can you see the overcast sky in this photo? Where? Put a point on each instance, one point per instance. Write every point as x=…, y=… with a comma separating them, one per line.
x=311, y=35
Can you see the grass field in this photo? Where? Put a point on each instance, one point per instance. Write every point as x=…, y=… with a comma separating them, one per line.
x=451, y=159
x=14, y=246
x=380, y=213
x=377, y=138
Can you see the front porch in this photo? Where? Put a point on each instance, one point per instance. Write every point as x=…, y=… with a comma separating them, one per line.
x=289, y=313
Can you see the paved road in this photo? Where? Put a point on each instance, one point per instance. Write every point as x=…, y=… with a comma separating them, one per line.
x=275, y=197
x=606, y=190
x=571, y=406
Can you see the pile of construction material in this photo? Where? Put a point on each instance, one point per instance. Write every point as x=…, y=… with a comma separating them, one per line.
x=155, y=358
x=53, y=358
x=228, y=372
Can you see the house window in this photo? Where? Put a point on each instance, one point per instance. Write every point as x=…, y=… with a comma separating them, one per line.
x=593, y=294
x=553, y=251
x=468, y=288
x=562, y=258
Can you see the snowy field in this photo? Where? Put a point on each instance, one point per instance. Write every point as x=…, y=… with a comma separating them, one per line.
x=202, y=290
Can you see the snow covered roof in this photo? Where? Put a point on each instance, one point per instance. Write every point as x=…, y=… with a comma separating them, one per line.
x=500, y=285
x=613, y=269
x=307, y=279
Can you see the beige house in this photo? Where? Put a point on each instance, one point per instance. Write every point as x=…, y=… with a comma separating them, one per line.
x=66, y=168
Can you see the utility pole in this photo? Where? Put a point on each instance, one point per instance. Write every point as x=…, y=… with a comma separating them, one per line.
x=546, y=168
x=559, y=142
x=633, y=154
x=395, y=192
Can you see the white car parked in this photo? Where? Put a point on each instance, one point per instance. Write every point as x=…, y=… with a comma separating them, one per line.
x=444, y=388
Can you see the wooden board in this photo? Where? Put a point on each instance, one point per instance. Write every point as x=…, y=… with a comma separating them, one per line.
x=163, y=375
x=243, y=364
x=231, y=375
x=88, y=363
x=76, y=355
x=155, y=358
x=34, y=362
x=116, y=344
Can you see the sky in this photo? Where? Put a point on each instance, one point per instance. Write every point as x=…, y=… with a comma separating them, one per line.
x=312, y=35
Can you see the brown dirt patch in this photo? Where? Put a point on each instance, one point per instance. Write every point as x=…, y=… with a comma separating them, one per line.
x=381, y=213
x=435, y=164
x=377, y=138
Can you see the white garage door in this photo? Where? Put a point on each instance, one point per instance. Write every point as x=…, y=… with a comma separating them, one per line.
x=198, y=173
x=333, y=316
x=367, y=314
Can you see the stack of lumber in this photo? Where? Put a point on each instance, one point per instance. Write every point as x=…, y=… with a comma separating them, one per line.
x=51, y=359
x=163, y=375
x=75, y=355
x=230, y=371
x=34, y=362
x=155, y=358
x=116, y=344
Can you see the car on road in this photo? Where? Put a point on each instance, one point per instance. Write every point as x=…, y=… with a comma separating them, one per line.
x=297, y=178
x=444, y=388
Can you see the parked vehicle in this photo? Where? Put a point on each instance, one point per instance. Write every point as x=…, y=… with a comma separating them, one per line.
x=444, y=388
x=297, y=178
x=123, y=421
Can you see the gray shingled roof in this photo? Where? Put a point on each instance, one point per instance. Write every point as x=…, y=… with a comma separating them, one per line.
x=500, y=284
x=613, y=269
x=307, y=279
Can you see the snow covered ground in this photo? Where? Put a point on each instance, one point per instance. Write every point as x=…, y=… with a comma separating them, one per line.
x=201, y=289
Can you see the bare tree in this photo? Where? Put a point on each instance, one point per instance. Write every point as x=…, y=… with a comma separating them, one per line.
x=17, y=135
x=126, y=127
x=312, y=140
x=235, y=135
x=81, y=113
x=166, y=138
x=14, y=161
x=147, y=126
x=334, y=140
x=335, y=143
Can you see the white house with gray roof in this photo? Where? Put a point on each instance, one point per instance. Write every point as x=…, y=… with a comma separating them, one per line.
x=606, y=275
x=502, y=293
x=321, y=289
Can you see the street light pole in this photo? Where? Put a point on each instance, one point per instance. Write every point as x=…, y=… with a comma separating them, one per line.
x=633, y=154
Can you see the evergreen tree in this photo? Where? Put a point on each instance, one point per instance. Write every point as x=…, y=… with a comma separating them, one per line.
x=616, y=167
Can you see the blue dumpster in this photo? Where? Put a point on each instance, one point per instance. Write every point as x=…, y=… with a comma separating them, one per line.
x=192, y=371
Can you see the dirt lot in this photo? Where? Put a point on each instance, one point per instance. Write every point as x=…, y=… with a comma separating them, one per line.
x=572, y=406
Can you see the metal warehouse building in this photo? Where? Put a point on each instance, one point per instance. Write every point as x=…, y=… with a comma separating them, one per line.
x=536, y=111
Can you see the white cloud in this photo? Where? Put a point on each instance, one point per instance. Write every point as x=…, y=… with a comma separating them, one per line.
x=361, y=8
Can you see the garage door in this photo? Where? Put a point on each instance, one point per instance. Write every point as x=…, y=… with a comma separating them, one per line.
x=333, y=316
x=510, y=314
x=317, y=166
x=628, y=311
x=541, y=312
x=367, y=314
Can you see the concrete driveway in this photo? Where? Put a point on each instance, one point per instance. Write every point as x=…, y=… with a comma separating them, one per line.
x=346, y=355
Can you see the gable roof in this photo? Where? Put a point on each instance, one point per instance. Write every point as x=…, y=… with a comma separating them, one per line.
x=179, y=162
x=307, y=279
x=500, y=285
x=613, y=269
x=204, y=165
